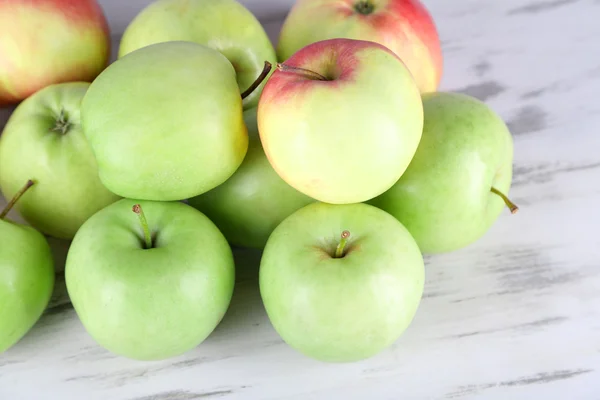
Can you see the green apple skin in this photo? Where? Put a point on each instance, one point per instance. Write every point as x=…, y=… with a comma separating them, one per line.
x=26, y=280
x=250, y=204
x=165, y=122
x=56, y=155
x=225, y=25
x=150, y=304
x=341, y=309
x=336, y=140
x=444, y=196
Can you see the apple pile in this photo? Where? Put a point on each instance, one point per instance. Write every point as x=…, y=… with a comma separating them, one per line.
x=335, y=154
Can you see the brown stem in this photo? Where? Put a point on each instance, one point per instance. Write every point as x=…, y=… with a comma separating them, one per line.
x=302, y=71
x=511, y=206
x=258, y=81
x=16, y=198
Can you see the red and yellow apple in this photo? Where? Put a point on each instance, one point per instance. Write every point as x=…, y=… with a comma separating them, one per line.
x=404, y=26
x=43, y=42
x=340, y=120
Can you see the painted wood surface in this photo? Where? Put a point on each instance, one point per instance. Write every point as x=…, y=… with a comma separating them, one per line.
x=514, y=316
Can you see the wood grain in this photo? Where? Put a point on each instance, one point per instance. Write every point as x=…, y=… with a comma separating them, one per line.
x=514, y=316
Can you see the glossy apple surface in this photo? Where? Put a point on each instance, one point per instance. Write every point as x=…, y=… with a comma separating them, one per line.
x=346, y=131
x=347, y=308
x=43, y=141
x=43, y=42
x=150, y=303
x=165, y=122
x=444, y=198
x=224, y=25
x=250, y=204
x=404, y=26
x=26, y=280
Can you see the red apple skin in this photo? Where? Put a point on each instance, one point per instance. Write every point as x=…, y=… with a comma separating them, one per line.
x=43, y=42
x=404, y=26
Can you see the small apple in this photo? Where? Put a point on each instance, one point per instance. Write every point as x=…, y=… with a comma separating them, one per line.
x=340, y=120
x=26, y=276
x=250, y=204
x=403, y=26
x=49, y=41
x=165, y=122
x=43, y=140
x=453, y=190
x=341, y=283
x=153, y=285
x=224, y=25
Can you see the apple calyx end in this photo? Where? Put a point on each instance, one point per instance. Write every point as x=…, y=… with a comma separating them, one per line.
x=62, y=124
x=137, y=209
x=263, y=75
x=364, y=7
x=16, y=198
x=341, y=247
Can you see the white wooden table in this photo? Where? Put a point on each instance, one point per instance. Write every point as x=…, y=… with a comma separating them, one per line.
x=514, y=316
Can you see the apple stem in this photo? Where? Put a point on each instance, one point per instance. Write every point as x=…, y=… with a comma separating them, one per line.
x=258, y=81
x=511, y=206
x=339, y=251
x=302, y=71
x=16, y=198
x=140, y=213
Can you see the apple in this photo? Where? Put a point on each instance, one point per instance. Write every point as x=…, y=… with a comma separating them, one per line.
x=153, y=285
x=26, y=276
x=250, y=204
x=225, y=25
x=340, y=120
x=341, y=283
x=404, y=26
x=43, y=42
x=455, y=187
x=43, y=140
x=165, y=122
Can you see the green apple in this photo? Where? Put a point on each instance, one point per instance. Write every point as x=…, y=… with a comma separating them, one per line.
x=165, y=122
x=340, y=120
x=26, y=277
x=250, y=204
x=153, y=285
x=341, y=283
x=224, y=25
x=453, y=190
x=43, y=140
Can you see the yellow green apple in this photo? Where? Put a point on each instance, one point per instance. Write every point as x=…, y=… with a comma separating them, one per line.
x=340, y=120
x=43, y=42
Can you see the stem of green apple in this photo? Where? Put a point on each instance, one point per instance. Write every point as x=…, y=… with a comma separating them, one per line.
x=302, y=71
x=339, y=251
x=140, y=213
x=259, y=80
x=511, y=206
x=16, y=198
